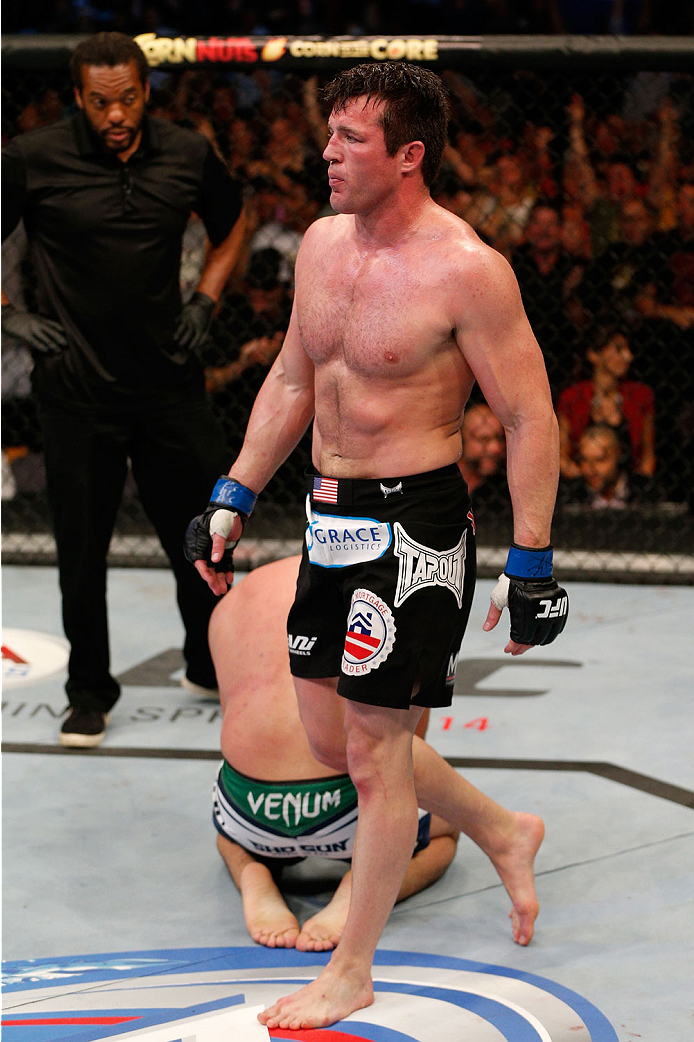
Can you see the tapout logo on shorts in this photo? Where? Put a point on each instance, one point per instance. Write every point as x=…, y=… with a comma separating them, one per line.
x=370, y=634
x=421, y=566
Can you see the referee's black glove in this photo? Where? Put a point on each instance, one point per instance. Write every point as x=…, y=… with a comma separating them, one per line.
x=194, y=322
x=40, y=334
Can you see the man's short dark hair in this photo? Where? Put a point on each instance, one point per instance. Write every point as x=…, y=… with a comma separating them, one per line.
x=107, y=49
x=415, y=109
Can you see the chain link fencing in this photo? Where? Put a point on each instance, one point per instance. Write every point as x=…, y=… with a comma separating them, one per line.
x=571, y=156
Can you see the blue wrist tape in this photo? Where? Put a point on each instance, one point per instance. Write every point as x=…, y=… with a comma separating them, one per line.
x=230, y=493
x=523, y=563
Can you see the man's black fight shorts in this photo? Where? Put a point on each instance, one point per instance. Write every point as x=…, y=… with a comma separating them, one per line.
x=385, y=587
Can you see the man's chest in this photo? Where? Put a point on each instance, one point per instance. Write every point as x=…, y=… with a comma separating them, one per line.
x=84, y=198
x=378, y=317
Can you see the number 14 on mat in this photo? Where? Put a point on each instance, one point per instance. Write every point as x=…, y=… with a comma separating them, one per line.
x=480, y=723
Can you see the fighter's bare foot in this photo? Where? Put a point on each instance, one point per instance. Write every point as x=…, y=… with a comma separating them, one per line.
x=515, y=862
x=268, y=919
x=322, y=931
x=333, y=995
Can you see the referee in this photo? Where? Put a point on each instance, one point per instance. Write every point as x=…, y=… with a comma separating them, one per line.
x=105, y=197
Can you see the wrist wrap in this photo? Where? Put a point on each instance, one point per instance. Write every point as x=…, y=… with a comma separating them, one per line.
x=526, y=563
x=232, y=494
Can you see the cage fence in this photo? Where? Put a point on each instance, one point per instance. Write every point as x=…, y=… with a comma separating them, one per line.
x=571, y=156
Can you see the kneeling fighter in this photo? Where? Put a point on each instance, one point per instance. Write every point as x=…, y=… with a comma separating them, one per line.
x=274, y=803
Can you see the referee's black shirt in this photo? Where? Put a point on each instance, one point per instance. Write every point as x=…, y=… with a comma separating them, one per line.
x=105, y=239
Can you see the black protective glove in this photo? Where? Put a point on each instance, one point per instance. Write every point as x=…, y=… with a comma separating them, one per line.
x=194, y=322
x=230, y=499
x=538, y=606
x=40, y=334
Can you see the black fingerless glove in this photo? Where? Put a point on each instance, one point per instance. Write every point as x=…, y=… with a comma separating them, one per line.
x=230, y=499
x=538, y=606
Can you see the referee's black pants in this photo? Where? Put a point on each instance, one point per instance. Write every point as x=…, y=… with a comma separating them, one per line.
x=176, y=453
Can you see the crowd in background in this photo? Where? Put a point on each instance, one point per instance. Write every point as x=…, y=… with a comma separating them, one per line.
x=586, y=187
x=335, y=17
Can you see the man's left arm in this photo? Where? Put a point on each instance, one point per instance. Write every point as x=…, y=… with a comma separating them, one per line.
x=221, y=260
x=498, y=344
x=221, y=210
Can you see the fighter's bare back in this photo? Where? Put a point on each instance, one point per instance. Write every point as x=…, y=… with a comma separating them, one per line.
x=378, y=323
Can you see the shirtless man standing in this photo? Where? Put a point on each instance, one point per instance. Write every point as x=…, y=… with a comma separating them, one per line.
x=398, y=309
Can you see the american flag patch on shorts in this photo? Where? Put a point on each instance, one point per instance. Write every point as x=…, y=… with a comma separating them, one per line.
x=325, y=489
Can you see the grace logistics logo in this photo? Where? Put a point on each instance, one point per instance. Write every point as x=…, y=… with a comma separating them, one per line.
x=200, y=994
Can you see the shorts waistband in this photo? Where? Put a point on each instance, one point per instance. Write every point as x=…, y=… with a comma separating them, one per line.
x=288, y=808
x=350, y=491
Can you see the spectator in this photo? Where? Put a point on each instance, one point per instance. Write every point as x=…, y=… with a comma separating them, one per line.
x=575, y=233
x=500, y=213
x=667, y=306
x=269, y=227
x=671, y=297
x=20, y=426
x=547, y=276
x=603, y=481
x=483, y=459
x=613, y=283
x=601, y=196
x=252, y=325
x=242, y=146
x=608, y=398
x=115, y=371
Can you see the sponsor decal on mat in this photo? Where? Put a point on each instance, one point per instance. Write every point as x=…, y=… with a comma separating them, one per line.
x=209, y=994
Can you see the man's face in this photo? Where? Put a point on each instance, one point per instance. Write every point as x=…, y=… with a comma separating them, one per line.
x=509, y=171
x=621, y=183
x=615, y=357
x=636, y=222
x=484, y=444
x=113, y=100
x=599, y=462
x=361, y=174
x=544, y=230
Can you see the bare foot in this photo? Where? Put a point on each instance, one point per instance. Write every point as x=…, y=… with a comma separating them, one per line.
x=515, y=864
x=268, y=919
x=322, y=931
x=332, y=996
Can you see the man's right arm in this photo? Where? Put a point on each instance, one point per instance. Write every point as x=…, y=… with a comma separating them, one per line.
x=42, y=335
x=281, y=414
x=13, y=188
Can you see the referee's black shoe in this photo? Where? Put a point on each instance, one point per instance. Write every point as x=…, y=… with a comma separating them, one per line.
x=83, y=728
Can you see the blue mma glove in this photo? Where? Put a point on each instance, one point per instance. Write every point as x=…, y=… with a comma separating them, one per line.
x=230, y=499
x=538, y=606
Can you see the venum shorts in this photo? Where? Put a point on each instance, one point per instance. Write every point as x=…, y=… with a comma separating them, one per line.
x=290, y=821
x=385, y=587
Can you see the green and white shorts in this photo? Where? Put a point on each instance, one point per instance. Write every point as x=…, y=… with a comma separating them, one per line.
x=291, y=820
